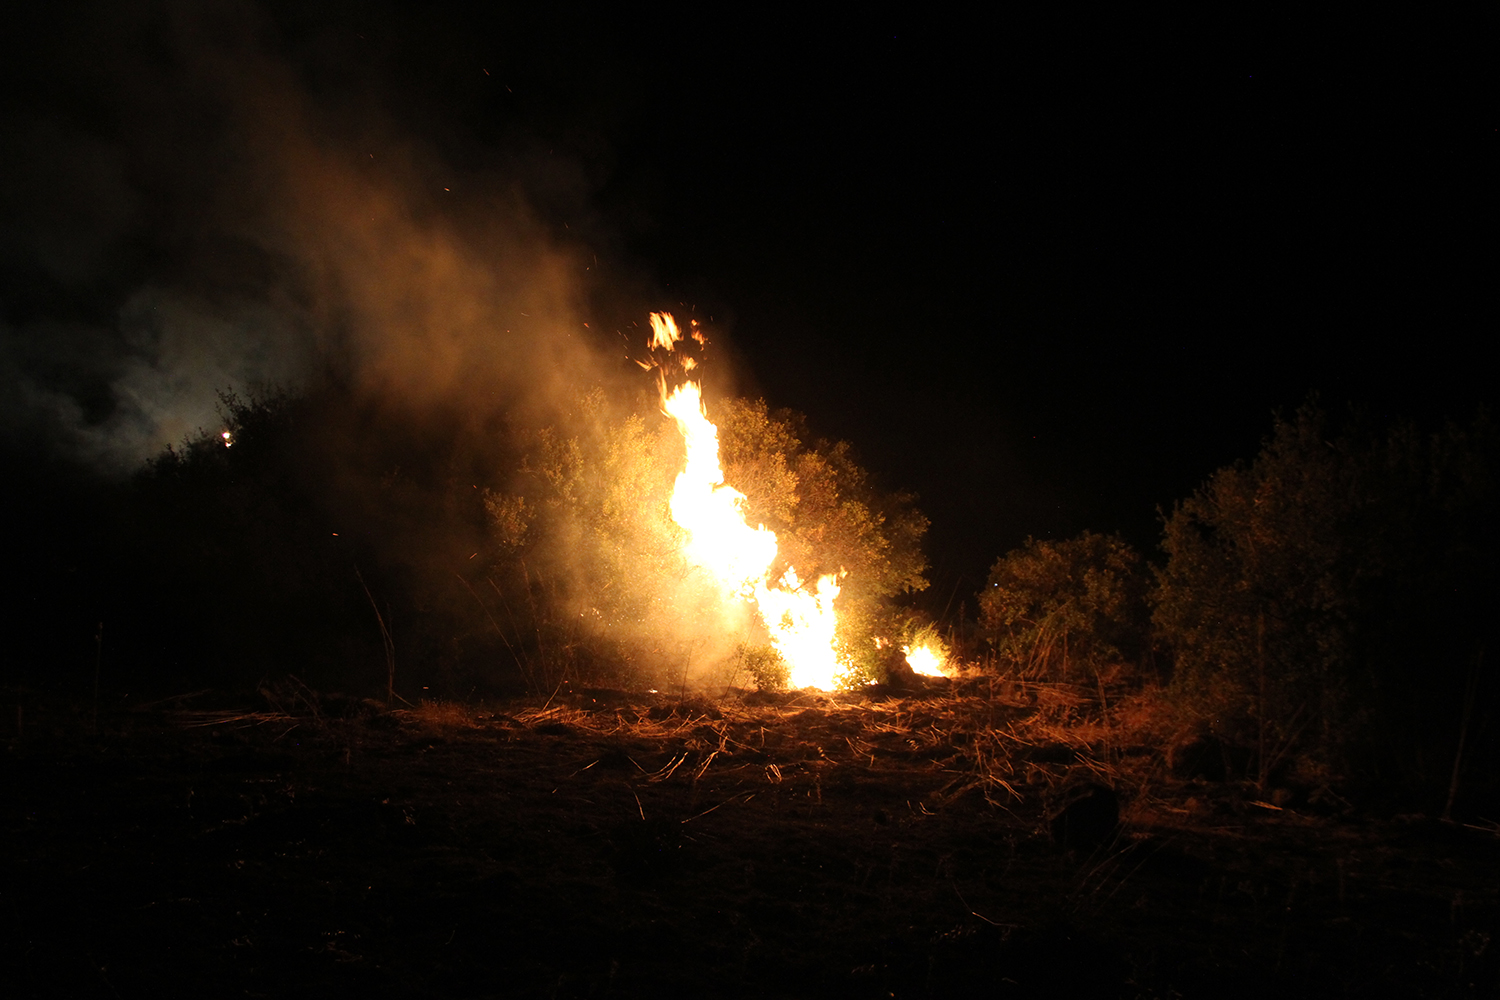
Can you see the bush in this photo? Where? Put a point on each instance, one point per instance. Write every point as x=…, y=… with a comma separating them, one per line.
x=1326, y=600
x=828, y=518
x=1057, y=610
x=764, y=665
x=589, y=516
x=586, y=560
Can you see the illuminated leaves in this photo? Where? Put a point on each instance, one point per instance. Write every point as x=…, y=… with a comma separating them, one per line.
x=827, y=516
x=511, y=516
x=592, y=510
x=1061, y=608
x=819, y=501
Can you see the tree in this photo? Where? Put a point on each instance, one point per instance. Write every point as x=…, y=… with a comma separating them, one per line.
x=271, y=545
x=1325, y=598
x=1257, y=596
x=1061, y=609
x=590, y=511
x=586, y=561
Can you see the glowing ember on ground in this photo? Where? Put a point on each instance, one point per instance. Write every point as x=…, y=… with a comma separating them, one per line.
x=926, y=661
x=801, y=621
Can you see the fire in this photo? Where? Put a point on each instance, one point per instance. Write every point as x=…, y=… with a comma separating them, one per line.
x=801, y=622
x=802, y=627
x=926, y=661
x=709, y=510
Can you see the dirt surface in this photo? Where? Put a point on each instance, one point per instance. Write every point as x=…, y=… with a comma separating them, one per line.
x=750, y=846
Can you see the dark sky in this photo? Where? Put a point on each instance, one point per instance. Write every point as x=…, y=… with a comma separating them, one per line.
x=1046, y=275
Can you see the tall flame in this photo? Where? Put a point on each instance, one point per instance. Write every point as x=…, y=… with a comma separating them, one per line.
x=709, y=510
x=801, y=622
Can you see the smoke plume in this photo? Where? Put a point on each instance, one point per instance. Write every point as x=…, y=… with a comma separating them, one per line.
x=201, y=198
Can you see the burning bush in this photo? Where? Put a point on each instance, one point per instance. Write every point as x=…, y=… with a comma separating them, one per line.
x=326, y=535
x=588, y=569
x=598, y=516
x=828, y=517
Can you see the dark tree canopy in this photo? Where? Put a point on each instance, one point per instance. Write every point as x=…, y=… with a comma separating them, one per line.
x=1334, y=593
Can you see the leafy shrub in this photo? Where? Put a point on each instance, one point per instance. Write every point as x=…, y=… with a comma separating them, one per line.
x=1064, y=609
x=764, y=665
x=828, y=518
x=1325, y=601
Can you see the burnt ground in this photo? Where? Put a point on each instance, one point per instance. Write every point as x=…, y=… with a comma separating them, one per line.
x=628, y=846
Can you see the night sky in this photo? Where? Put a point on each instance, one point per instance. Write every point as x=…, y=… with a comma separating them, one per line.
x=1048, y=276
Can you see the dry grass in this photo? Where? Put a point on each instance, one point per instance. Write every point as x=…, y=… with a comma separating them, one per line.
x=443, y=715
x=1007, y=742
x=873, y=819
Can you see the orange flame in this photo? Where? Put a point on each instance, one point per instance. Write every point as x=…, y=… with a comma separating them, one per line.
x=709, y=510
x=927, y=661
x=802, y=628
x=801, y=622
x=664, y=331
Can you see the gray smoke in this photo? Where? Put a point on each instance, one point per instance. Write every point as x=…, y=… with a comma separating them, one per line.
x=114, y=396
x=188, y=209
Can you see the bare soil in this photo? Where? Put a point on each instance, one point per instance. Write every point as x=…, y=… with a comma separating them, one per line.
x=614, y=845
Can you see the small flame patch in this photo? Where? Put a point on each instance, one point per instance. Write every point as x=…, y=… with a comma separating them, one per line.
x=925, y=660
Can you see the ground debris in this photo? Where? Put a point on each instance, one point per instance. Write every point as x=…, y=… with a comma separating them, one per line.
x=743, y=846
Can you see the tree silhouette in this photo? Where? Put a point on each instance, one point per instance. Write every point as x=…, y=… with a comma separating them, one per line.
x=1325, y=599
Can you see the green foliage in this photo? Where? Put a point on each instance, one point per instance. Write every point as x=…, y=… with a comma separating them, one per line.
x=764, y=665
x=826, y=514
x=590, y=513
x=511, y=516
x=587, y=562
x=1065, y=609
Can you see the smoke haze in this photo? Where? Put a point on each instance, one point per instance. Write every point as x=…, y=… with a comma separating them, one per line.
x=200, y=198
